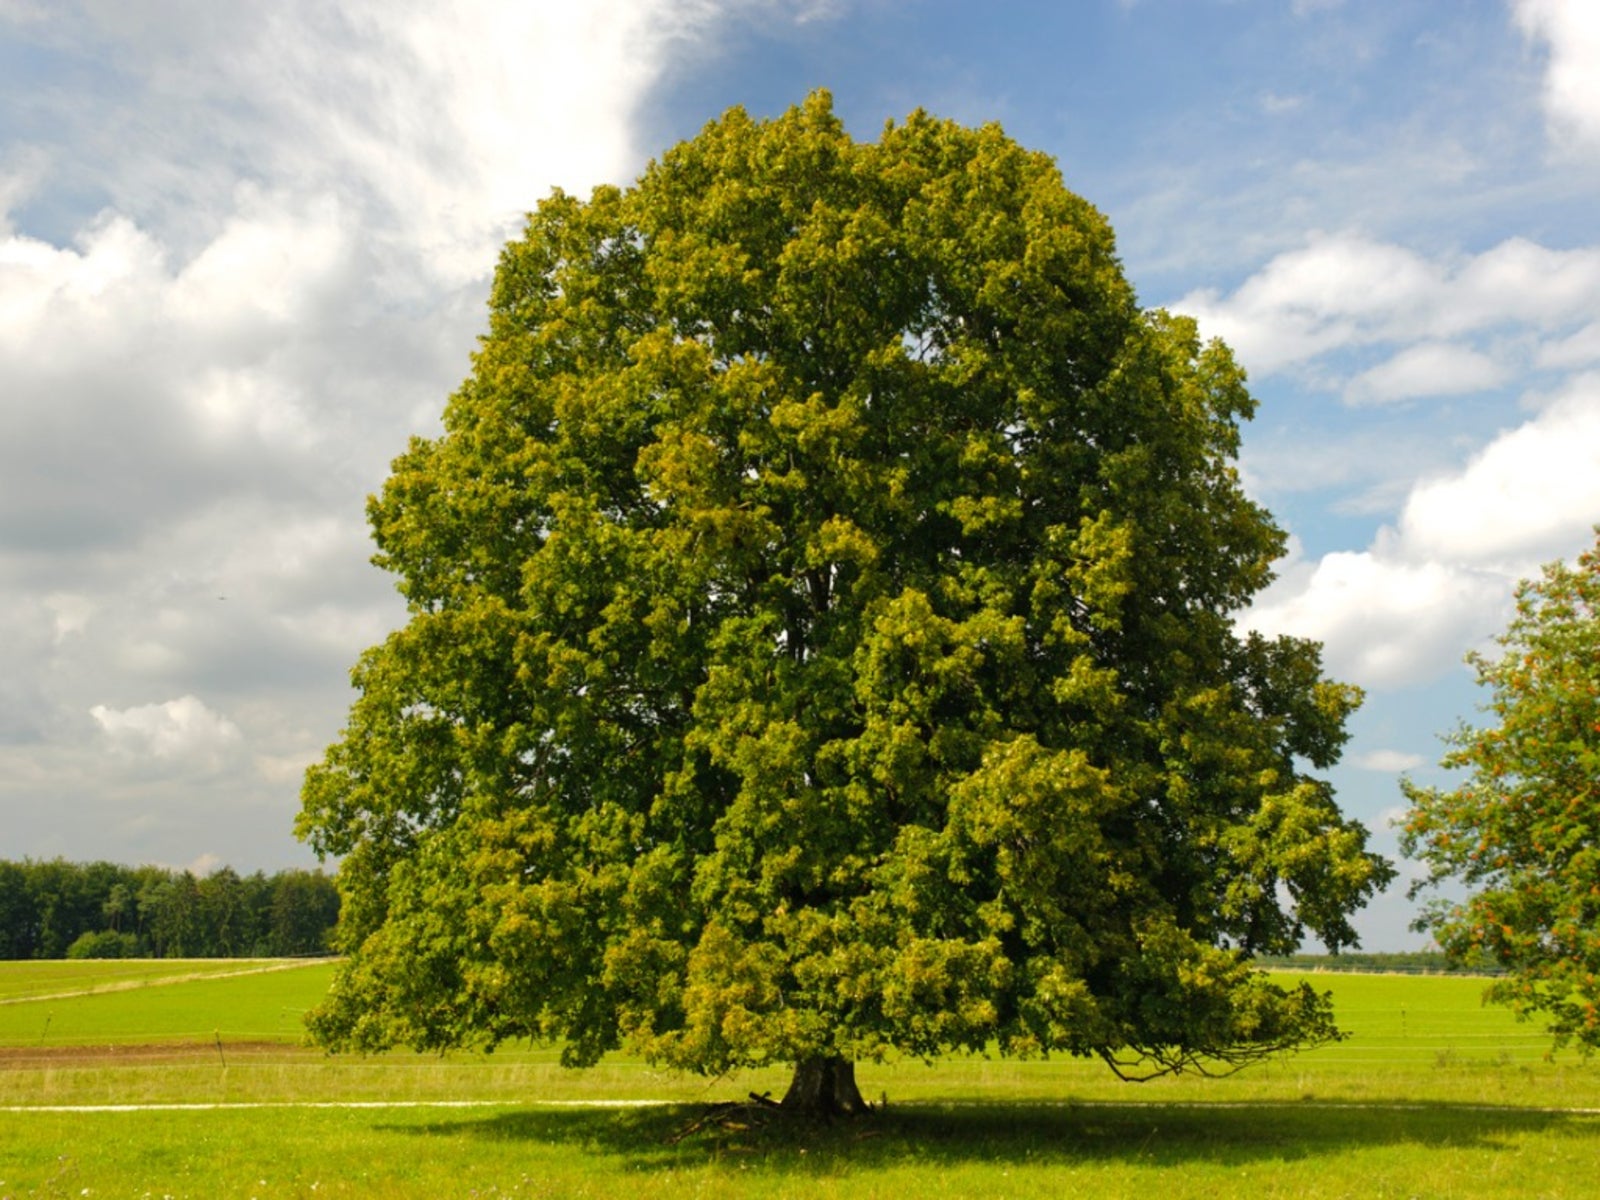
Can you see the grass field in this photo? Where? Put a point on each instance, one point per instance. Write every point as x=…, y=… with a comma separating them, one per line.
x=255, y=1001
x=47, y=977
x=1433, y=1095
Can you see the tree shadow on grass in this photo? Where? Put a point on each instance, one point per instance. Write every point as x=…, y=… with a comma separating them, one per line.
x=1007, y=1134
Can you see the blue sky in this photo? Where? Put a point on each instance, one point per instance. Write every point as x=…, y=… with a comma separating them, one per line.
x=244, y=252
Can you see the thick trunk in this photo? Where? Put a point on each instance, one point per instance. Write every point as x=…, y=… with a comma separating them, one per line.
x=825, y=1087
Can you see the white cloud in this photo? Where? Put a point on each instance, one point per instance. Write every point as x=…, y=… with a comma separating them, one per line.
x=440, y=124
x=178, y=729
x=1473, y=509
x=22, y=170
x=1335, y=291
x=273, y=259
x=443, y=115
x=1372, y=465
x=1427, y=369
x=1384, y=622
x=1517, y=282
x=1341, y=291
x=1582, y=349
x=1530, y=495
x=1439, y=581
x=1389, y=761
x=1570, y=31
x=236, y=273
x=204, y=864
x=135, y=392
x=303, y=205
x=96, y=286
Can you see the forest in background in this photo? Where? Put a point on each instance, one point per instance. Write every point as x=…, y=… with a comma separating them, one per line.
x=61, y=909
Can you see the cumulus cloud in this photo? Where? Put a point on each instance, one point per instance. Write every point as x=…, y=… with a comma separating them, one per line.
x=1438, y=581
x=1530, y=495
x=1341, y=291
x=441, y=123
x=1469, y=508
x=1329, y=293
x=236, y=274
x=1384, y=622
x=135, y=391
x=1569, y=32
x=178, y=729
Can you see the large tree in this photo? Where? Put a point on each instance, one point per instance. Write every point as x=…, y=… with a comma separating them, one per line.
x=1522, y=833
x=822, y=645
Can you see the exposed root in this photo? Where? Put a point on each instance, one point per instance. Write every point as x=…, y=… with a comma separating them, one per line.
x=732, y=1116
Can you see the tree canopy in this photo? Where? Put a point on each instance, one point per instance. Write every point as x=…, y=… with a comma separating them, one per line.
x=822, y=644
x=1521, y=833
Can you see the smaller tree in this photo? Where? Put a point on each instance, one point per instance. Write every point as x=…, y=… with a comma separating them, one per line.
x=104, y=943
x=1523, y=833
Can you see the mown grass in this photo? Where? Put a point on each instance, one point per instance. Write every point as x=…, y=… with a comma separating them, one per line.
x=1433, y=1095
x=258, y=1002
x=49, y=977
x=1005, y=1150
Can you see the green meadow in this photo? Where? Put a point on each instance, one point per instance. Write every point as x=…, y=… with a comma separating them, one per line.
x=160, y=1079
x=41, y=978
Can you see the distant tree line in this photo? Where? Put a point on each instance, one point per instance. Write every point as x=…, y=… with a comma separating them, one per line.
x=1415, y=962
x=60, y=909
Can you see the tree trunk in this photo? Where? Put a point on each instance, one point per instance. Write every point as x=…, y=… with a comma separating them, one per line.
x=825, y=1087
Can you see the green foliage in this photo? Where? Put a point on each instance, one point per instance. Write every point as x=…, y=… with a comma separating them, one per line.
x=104, y=943
x=1521, y=832
x=821, y=643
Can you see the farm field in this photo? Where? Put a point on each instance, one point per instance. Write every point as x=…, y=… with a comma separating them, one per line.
x=41, y=978
x=1433, y=1094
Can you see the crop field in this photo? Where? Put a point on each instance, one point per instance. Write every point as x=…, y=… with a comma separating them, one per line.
x=189, y=1079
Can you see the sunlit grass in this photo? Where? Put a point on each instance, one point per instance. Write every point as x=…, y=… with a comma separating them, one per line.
x=1423, y=1038
x=1433, y=1094
x=264, y=1005
x=52, y=977
x=1005, y=1150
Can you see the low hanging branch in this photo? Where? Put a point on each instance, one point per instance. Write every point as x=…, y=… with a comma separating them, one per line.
x=735, y=1116
x=1156, y=1062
